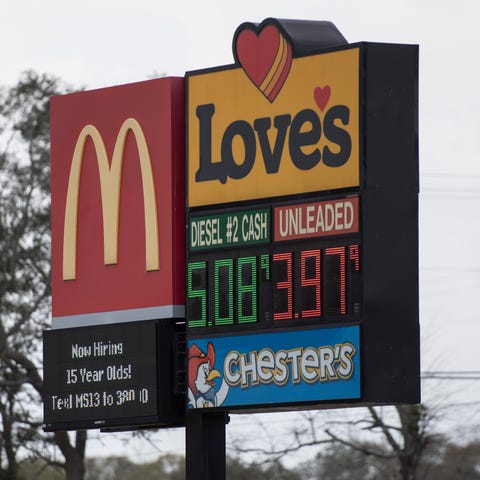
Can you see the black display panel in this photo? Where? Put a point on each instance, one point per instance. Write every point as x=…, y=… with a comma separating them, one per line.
x=301, y=283
x=108, y=376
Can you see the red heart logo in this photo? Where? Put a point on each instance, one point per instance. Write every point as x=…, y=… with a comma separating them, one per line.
x=322, y=96
x=266, y=58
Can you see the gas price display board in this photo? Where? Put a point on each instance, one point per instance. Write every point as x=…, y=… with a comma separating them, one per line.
x=301, y=276
x=238, y=276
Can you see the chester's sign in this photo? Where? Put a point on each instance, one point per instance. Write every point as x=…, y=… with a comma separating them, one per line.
x=117, y=191
x=274, y=126
x=280, y=368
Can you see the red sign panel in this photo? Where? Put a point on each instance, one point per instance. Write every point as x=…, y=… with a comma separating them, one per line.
x=117, y=159
x=317, y=219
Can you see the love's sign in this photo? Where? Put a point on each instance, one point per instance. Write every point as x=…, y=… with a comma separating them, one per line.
x=302, y=224
x=272, y=124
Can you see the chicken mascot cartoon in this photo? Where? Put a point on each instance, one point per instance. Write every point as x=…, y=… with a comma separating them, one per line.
x=201, y=379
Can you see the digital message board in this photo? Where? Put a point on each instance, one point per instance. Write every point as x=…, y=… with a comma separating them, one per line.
x=302, y=223
x=110, y=376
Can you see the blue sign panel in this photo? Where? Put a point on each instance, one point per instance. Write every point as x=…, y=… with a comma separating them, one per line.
x=311, y=365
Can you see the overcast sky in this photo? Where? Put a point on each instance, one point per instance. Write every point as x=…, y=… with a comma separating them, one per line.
x=99, y=43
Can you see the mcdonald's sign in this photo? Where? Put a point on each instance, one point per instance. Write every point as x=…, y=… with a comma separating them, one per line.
x=117, y=161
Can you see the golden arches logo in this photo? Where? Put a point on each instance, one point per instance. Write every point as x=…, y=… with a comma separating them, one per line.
x=110, y=183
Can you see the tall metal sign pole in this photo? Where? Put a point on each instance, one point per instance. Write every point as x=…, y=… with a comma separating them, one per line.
x=302, y=229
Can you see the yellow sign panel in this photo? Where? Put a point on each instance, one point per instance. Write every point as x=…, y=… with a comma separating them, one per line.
x=243, y=145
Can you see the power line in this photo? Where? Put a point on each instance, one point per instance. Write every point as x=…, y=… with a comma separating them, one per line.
x=451, y=375
x=449, y=176
x=459, y=186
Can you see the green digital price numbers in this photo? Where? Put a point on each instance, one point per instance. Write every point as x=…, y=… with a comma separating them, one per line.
x=234, y=292
x=304, y=282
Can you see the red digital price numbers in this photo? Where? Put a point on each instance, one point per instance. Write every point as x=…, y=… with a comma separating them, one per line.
x=314, y=282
